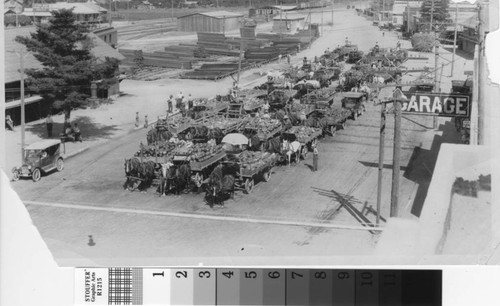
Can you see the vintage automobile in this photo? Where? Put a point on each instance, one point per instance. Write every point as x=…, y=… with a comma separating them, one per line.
x=40, y=157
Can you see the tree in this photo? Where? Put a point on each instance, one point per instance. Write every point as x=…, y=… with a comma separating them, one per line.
x=440, y=16
x=63, y=48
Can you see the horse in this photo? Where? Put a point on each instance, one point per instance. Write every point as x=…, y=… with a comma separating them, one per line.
x=147, y=174
x=273, y=145
x=132, y=166
x=288, y=148
x=183, y=177
x=167, y=181
x=220, y=186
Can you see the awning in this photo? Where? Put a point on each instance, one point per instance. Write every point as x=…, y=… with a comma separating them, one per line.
x=17, y=103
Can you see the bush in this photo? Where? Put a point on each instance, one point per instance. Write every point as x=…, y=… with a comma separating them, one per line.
x=423, y=42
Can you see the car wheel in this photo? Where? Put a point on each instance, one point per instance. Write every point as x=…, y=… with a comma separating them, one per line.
x=248, y=185
x=60, y=164
x=267, y=176
x=36, y=175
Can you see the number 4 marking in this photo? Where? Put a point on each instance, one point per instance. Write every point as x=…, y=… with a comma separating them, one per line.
x=228, y=274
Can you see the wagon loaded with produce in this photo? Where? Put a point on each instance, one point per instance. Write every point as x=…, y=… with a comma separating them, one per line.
x=333, y=118
x=252, y=166
x=321, y=98
x=202, y=159
x=262, y=129
x=305, y=135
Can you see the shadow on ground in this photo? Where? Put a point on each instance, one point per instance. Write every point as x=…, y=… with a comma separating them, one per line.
x=89, y=129
x=422, y=162
x=461, y=53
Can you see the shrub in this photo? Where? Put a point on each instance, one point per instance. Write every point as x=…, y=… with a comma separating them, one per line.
x=423, y=42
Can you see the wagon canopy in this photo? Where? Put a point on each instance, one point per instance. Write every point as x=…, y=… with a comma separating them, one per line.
x=235, y=139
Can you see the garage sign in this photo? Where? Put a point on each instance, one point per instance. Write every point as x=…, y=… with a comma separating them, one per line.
x=437, y=104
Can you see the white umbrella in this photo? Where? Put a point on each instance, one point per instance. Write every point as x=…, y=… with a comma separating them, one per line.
x=235, y=139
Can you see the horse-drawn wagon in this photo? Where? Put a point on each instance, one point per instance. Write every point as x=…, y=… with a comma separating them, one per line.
x=252, y=166
x=202, y=159
x=355, y=102
x=305, y=135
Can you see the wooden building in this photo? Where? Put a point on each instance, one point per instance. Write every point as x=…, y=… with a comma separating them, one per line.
x=35, y=106
x=214, y=22
x=288, y=23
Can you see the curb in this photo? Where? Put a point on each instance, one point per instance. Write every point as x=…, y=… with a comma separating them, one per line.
x=69, y=155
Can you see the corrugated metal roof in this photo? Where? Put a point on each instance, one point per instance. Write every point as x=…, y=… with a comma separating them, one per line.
x=100, y=50
x=216, y=14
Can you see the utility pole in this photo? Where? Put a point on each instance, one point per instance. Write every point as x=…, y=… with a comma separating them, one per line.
x=332, y=11
x=109, y=15
x=381, y=160
x=432, y=15
x=436, y=81
x=322, y=22
x=454, y=40
x=481, y=79
x=397, y=98
x=408, y=17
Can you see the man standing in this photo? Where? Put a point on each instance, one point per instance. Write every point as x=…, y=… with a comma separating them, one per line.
x=170, y=104
x=50, y=123
x=136, y=119
x=315, y=158
x=190, y=102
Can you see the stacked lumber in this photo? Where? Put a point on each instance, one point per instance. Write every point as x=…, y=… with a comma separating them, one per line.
x=216, y=71
x=268, y=53
x=158, y=59
x=216, y=44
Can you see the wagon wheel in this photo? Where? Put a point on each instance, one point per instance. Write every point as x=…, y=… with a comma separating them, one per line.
x=355, y=115
x=15, y=175
x=197, y=179
x=249, y=185
x=36, y=175
x=267, y=175
x=60, y=164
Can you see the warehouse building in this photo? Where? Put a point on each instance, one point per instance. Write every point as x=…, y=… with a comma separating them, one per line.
x=215, y=22
x=288, y=24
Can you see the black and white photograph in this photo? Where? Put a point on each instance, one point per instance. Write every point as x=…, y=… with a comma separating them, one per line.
x=253, y=132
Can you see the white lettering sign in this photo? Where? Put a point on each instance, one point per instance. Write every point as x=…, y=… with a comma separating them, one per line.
x=440, y=104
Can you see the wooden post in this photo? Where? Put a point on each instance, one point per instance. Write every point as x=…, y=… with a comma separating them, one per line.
x=436, y=82
x=141, y=151
x=380, y=160
x=21, y=58
x=454, y=40
x=397, y=97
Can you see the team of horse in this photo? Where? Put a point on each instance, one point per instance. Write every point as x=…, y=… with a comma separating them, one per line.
x=173, y=178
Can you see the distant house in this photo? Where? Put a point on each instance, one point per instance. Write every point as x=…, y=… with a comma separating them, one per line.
x=266, y=13
x=400, y=8
x=189, y=4
x=288, y=23
x=218, y=22
x=469, y=37
x=89, y=12
x=13, y=7
x=146, y=6
x=33, y=106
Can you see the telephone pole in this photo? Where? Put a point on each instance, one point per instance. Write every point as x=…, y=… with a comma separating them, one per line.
x=454, y=40
x=436, y=81
x=380, y=161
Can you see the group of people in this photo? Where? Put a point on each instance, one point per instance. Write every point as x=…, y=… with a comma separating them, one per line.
x=182, y=103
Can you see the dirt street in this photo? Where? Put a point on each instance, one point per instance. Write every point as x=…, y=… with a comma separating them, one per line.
x=298, y=214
